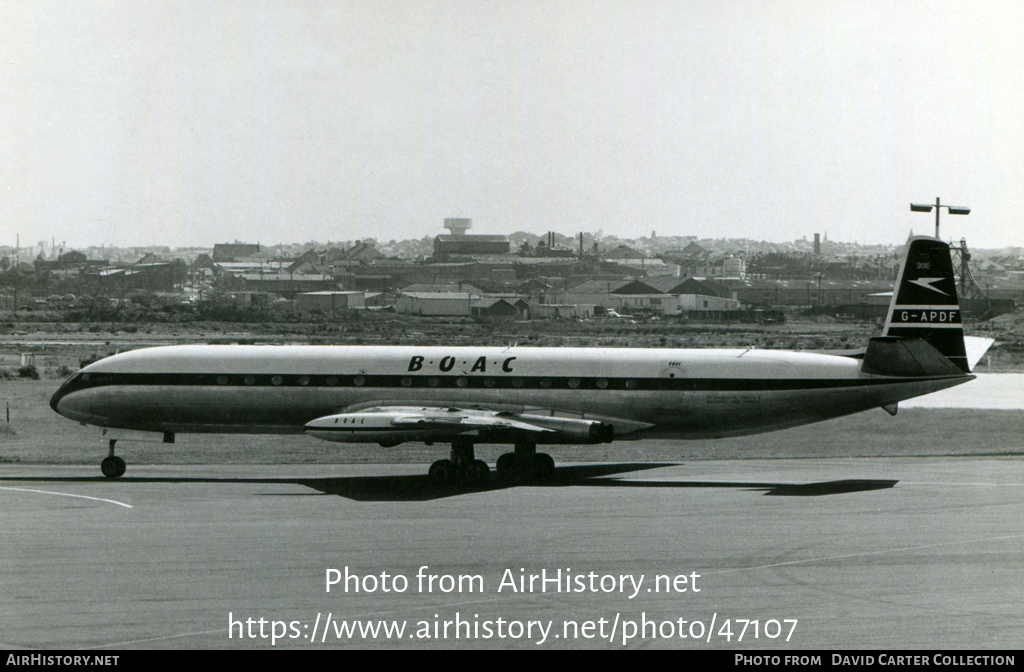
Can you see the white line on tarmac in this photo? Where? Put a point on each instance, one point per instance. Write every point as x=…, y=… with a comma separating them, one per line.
x=427, y=607
x=857, y=555
x=67, y=494
x=981, y=485
x=151, y=639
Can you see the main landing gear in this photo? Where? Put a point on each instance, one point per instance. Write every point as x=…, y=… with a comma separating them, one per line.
x=462, y=465
x=524, y=463
x=112, y=466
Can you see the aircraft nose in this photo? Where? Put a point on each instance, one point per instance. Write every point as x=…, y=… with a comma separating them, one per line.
x=62, y=403
x=57, y=396
x=61, y=400
x=72, y=405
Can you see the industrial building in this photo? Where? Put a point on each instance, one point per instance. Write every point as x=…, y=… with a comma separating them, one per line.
x=329, y=302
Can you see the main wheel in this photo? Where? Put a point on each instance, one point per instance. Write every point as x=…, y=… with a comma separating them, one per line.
x=477, y=473
x=113, y=467
x=506, y=464
x=543, y=465
x=443, y=472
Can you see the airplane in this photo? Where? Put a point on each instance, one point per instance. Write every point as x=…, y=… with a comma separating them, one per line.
x=526, y=397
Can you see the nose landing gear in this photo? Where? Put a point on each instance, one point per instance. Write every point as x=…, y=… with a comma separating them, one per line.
x=113, y=466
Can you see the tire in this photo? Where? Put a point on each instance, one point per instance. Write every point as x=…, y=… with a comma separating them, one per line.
x=443, y=472
x=113, y=467
x=506, y=464
x=477, y=473
x=543, y=465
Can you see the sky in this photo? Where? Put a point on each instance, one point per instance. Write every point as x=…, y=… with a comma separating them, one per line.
x=190, y=123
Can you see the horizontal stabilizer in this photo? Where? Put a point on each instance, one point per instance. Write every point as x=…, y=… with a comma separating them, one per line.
x=976, y=349
x=906, y=357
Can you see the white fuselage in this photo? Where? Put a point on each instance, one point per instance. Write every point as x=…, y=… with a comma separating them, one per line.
x=649, y=392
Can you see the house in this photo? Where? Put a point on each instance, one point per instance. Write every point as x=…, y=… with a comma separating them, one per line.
x=500, y=308
x=679, y=286
x=362, y=252
x=234, y=251
x=72, y=258
x=308, y=262
x=624, y=252
x=623, y=295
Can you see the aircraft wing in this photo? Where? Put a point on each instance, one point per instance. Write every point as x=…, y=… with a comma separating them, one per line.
x=462, y=419
x=391, y=425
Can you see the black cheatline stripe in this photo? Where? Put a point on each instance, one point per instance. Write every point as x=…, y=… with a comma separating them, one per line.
x=392, y=430
x=92, y=380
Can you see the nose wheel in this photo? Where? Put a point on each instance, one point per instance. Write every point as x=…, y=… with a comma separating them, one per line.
x=113, y=466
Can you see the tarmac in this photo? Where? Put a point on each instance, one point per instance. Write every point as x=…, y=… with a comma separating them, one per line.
x=852, y=553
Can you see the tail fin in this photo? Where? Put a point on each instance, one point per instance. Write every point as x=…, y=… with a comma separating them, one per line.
x=924, y=303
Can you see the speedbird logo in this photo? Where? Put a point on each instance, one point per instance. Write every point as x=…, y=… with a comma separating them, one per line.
x=927, y=284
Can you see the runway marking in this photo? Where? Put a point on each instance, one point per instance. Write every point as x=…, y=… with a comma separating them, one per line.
x=222, y=630
x=857, y=555
x=989, y=485
x=151, y=639
x=67, y=494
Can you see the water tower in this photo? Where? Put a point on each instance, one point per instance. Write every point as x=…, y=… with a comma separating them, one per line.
x=458, y=225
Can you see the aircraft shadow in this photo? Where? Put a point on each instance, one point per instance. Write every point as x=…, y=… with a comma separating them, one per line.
x=419, y=488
